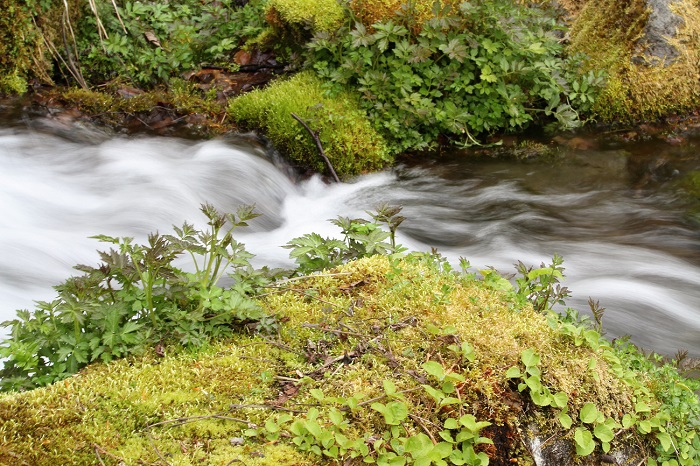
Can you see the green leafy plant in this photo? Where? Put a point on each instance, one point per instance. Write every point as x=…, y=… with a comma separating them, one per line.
x=470, y=70
x=542, y=286
x=531, y=381
x=327, y=430
x=150, y=42
x=361, y=238
x=136, y=298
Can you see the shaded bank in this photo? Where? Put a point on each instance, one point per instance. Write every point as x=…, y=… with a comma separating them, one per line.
x=646, y=50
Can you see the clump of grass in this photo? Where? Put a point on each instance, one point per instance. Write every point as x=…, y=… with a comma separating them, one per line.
x=349, y=140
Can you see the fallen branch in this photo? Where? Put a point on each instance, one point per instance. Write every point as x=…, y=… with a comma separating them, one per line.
x=314, y=134
x=186, y=420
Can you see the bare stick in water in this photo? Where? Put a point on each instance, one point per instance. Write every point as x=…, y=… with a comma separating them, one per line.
x=314, y=134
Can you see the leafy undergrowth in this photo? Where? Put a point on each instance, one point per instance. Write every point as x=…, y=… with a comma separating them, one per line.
x=389, y=358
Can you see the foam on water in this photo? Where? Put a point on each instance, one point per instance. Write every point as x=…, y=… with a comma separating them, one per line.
x=630, y=253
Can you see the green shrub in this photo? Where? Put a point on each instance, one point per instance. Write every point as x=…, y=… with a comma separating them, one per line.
x=350, y=142
x=135, y=299
x=468, y=71
x=150, y=42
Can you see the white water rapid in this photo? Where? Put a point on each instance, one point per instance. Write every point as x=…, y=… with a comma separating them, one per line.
x=632, y=253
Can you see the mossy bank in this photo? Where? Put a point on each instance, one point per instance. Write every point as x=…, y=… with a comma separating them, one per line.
x=394, y=361
x=390, y=77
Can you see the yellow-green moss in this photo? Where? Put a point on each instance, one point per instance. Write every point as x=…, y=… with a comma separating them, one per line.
x=15, y=47
x=348, y=139
x=316, y=15
x=343, y=332
x=372, y=11
x=13, y=83
x=609, y=31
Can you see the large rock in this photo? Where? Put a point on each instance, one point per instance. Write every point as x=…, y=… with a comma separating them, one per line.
x=661, y=25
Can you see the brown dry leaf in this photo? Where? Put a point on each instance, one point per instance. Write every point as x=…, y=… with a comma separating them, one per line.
x=152, y=38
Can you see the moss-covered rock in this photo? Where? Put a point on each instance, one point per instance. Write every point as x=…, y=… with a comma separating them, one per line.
x=348, y=139
x=351, y=342
x=316, y=15
x=624, y=39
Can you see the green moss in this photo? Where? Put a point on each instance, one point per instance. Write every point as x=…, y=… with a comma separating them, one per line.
x=13, y=83
x=317, y=15
x=15, y=46
x=348, y=139
x=609, y=31
x=343, y=332
x=372, y=11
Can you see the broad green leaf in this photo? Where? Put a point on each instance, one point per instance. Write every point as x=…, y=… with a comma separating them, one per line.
x=419, y=445
x=588, y=413
x=565, y=420
x=451, y=423
x=584, y=441
x=513, y=372
x=644, y=426
x=389, y=387
x=530, y=358
x=603, y=433
x=560, y=400
x=665, y=441
x=541, y=398
x=435, y=369
x=641, y=407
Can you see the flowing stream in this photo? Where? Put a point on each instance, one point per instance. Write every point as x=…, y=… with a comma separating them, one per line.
x=615, y=214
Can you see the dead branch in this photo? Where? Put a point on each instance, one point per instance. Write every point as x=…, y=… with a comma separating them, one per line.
x=319, y=146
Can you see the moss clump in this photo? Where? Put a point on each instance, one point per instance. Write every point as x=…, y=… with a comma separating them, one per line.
x=372, y=11
x=343, y=335
x=15, y=47
x=609, y=32
x=13, y=83
x=348, y=139
x=300, y=18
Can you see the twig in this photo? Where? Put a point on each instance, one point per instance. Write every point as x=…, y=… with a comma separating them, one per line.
x=381, y=397
x=261, y=406
x=73, y=68
x=235, y=460
x=304, y=277
x=186, y=420
x=153, y=444
x=314, y=134
x=99, y=449
x=97, y=453
x=418, y=421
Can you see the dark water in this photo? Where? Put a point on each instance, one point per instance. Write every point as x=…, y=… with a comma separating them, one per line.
x=616, y=214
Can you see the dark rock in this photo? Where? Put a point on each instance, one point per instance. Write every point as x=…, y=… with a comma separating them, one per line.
x=554, y=450
x=662, y=24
